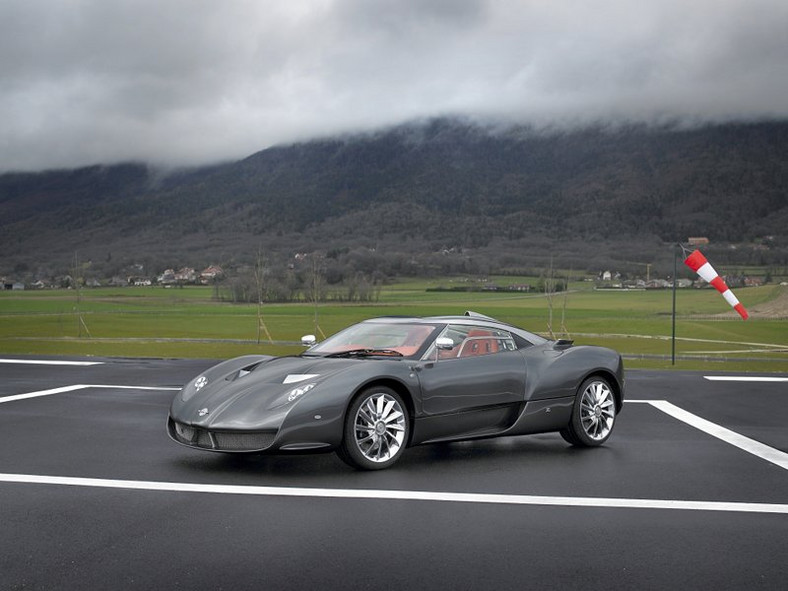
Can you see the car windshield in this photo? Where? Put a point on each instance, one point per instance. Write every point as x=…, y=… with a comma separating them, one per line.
x=375, y=339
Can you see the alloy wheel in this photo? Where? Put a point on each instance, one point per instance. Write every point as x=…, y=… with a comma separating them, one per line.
x=379, y=427
x=597, y=410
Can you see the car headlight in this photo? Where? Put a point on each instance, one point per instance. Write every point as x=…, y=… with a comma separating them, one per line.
x=299, y=391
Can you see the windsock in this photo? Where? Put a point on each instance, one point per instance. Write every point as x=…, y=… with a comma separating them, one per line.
x=698, y=263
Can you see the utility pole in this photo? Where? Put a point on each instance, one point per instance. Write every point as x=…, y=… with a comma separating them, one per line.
x=646, y=265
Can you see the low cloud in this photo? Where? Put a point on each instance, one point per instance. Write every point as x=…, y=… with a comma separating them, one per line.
x=193, y=81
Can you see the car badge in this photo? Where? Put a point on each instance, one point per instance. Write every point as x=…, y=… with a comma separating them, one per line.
x=200, y=383
x=202, y=412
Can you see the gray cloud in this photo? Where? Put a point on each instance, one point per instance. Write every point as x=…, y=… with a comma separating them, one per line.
x=193, y=81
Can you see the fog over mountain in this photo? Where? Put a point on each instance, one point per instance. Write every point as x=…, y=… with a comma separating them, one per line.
x=445, y=195
x=174, y=82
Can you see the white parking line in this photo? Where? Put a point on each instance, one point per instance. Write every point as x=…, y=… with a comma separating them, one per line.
x=79, y=387
x=50, y=362
x=745, y=379
x=42, y=393
x=751, y=446
x=756, y=448
x=400, y=495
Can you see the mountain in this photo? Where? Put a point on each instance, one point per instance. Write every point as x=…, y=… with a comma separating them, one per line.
x=510, y=197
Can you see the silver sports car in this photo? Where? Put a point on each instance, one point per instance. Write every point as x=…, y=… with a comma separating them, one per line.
x=385, y=384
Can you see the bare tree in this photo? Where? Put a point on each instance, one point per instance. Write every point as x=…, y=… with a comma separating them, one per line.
x=259, y=277
x=564, y=330
x=316, y=288
x=77, y=281
x=549, y=289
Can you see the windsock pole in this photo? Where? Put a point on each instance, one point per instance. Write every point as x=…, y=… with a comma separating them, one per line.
x=698, y=263
x=673, y=334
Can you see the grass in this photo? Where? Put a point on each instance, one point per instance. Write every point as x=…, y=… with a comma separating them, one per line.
x=188, y=322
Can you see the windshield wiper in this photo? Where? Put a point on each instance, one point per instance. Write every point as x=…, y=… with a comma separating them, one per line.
x=367, y=353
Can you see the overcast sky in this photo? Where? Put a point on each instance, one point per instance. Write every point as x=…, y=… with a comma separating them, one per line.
x=195, y=81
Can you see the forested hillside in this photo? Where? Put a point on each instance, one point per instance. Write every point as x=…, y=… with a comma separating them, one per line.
x=434, y=196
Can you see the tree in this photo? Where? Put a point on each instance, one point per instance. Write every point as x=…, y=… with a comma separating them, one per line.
x=259, y=278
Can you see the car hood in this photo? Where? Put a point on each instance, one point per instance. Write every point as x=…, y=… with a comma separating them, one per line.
x=232, y=396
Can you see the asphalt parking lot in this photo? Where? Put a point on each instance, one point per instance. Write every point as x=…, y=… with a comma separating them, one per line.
x=691, y=491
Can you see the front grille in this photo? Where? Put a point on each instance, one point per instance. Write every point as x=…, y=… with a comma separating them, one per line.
x=241, y=441
x=221, y=440
x=183, y=432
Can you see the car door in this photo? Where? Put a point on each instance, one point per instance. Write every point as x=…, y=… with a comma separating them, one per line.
x=483, y=370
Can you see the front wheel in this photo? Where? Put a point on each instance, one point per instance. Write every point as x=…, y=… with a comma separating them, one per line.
x=593, y=414
x=376, y=430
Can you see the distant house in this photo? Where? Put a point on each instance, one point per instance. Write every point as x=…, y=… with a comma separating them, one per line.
x=657, y=284
x=186, y=275
x=607, y=276
x=137, y=280
x=167, y=278
x=698, y=240
x=211, y=274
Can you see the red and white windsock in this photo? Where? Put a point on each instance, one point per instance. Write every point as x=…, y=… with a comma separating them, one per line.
x=698, y=263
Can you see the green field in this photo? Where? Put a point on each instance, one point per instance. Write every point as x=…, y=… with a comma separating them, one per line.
x=188, y=322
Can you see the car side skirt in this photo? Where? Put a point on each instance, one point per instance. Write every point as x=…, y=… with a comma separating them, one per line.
x=538, y=416
x=484, y=422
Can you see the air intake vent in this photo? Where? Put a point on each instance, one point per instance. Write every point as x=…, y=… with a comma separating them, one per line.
x=220, y=440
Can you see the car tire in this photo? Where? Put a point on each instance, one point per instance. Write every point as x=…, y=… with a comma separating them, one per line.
x=377, y=427
x=593, y=414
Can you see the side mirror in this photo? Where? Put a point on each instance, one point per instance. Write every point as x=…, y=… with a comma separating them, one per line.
x=444, y=343
x=308, y=340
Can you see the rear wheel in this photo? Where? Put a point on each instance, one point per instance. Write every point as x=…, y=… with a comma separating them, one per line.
x=593, y=414
x=376, y=429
